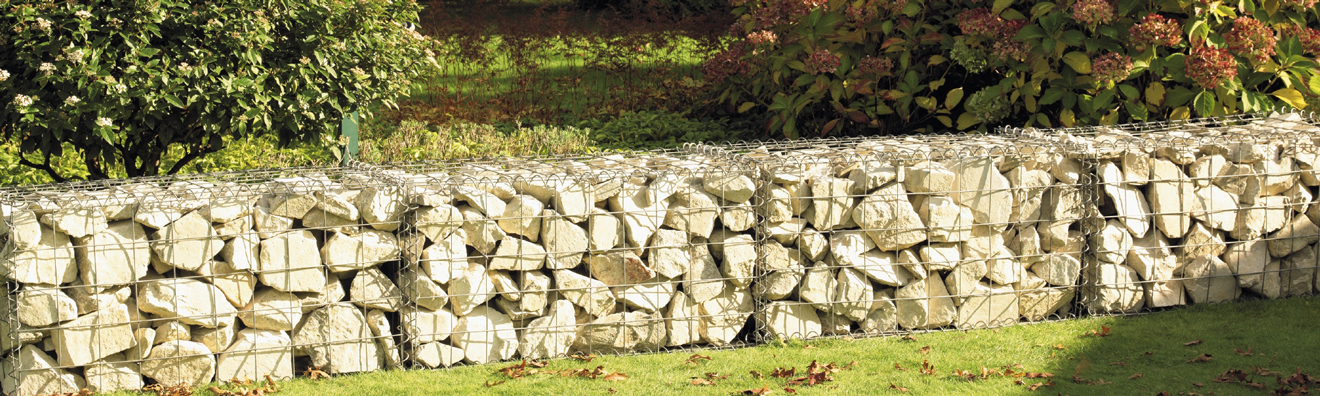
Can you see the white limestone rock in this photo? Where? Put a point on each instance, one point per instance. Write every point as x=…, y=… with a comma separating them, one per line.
x=1172, y=197
x=784, y=269
x=180, y=363
x=380, y=328
x=1248, y=260
x=43, y=306
x=241, y=251
x=76, y=223
x=381, y=208
x=1128, y=201
x=550, y=336
x=362, y=251
x=1297, y=235
x=1151, y=257
x=891, y=223
x=724, y=316
x=693, y=211
x=427, y=325
x=445, y=258
x=272, y=309
x=1216, y=208
x=291, y=262
x=485, y=335
x=114, y=373
x=729, y=185
x=786, y=320
x=255, y=355
x=929, y=177
x=1209, y=279
x=37, y=374
x=925, y=305
x=436, y=355
x=191, y=301
x=984, y=190
x=522, y=216
x=618, y=268
x=682, y=320
x=564, y=241
x=1113, y=288
x=604, y=229
x=831, y=202
x=989, y=306
x=438, y=222
x=947, y=221
x=338, y=341
x=592, y=295
x=49, y=260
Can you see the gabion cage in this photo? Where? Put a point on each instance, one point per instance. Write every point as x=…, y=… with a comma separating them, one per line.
x=904, y=234
x=190, y=279
x=1199, y=211
x=546, y=257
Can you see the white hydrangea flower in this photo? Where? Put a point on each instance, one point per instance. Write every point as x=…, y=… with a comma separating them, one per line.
x=83, y=14
x=72, y=100
x=105, y=122
x=43, y=24
x=76, y=56
x=121, y=88
x=47, y=68
x=22, y=100
x=184, y=67
x=4, y=75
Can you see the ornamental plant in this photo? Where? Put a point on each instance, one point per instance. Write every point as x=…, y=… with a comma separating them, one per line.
x=1019, y=62
x=121, y=82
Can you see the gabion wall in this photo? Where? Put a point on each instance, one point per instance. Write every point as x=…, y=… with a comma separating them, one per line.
x=200, y=278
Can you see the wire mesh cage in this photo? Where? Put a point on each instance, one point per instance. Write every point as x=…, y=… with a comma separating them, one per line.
x=1203, y=211
x=543, y=257
x=917, y=233
x=183, y=280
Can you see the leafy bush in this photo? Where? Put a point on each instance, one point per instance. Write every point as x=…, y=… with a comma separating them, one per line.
x=906, y=65
x=671, y=7
x=656, y=129
x=125, y=82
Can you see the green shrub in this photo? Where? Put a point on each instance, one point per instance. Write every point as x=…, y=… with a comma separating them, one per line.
x=671, y=7
x=656, y=129
x=905, y=65
x=125, y=82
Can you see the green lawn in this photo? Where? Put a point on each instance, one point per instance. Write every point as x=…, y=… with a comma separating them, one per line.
x=1281, y=335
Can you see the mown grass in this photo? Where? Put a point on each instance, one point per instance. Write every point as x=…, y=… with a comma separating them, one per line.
x=1281, y=335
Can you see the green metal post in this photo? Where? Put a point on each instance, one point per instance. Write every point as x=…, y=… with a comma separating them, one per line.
x=349, y=128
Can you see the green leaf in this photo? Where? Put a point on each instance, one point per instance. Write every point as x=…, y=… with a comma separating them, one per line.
x=966, y=120
x=1041, y=9
x=1314, y=83
x=1155, y=94
x=1000, y=5
x=1078, y=61
x=1292, y=97
x=1030, y=32
x=1204, y=103
x=926, y=102
x=1043, y=119
x=745, y=106
x=1067, y=118
x=948, y=122
x=1179, y=96
x=1129, y=91
x=954, y=97
x=174, y=100
x=1136, y=110
x=148, y=51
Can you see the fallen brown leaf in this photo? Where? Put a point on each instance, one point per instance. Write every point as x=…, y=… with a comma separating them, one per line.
x=1103, y=332
x=1204, y=357
x=1059, y=346
x=314, y=373
x=1148, y=353
x=612, y=391
x=754, y=392
x=781, y=372
x=716, y=376
x=1137, y=375
x=585, y=358
x=927, y=368
x=1242, y=352
x=1198, y=384
x=897, y=388
x=899, y=368
x=615, y=376
x=850, y=365
x=696, y=358
x=808, y=346
x=757, y=374
x=790, y=390
x=1190, y=343
x=703, y=382
x=909, y=337
x=924, y=350
x=1039, y=375
x=490, y=384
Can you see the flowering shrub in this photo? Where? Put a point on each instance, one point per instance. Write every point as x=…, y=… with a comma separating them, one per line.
x=905, y=66
x=124, y=82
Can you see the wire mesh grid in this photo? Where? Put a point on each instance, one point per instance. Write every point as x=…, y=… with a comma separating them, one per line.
x=1215, y=211
x=917, y=233
x=607, y=253
x=188, y=279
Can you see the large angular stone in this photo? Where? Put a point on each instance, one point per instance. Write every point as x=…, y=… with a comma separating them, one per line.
x=338, y=205
x=329, y=293
x=819, y=287
x=1165, y=294
x=50, y=259
x=76, y=223
x=882, y=267
x=622, y=332
x=445, y=258
x=847, y=246
x=291, y=262
x=522, y=216
x=1172, y=197
x=338, y=340
x=891, y=223
x=438, y=222
x=1209, y=279
x=550, y=336
x=1216, y=208
x=172, y=331
x=1128, y=201
x=255, y=355
x=1036, y=302
x=925, y=305
x=217, y=339
x=640, y=218
x=381, y=208
x=291, y=205
x=883, y=315
x=372, y=289
x=787, y=232
x=682, y=320
x=1113, y=288
x=365, y=250
x=830, y=202
x=619, y=268
x=485, y=335
x=1248, y=260
x=237, y=284
x=269, y=225
x=729, y=185
x=1200, y=241
x=984, y=190
x=1293, y=237
x=592, y=295
x=190, y=301
x=564, y=241
x=37, y=374
x=435, y=355
x=420, y=289
x=241, y=251
x=784, y=269
x=1151, y=257
x=272, y=310
x=724, y=316
x=41, y=307
x=1059, y=270
x=180, y=363
x=1241, y=181
x=947, y=221
x=91, y=300
x=693, y=211
x=737, y=253
x=573, y=200
x=929, y=177
x=787, y=320
x=778, y=206
x=964, y=280
x=380, y=329
x=853, y=296
x=427, y=325
x=605, y=232
x=941, y=256
x=94, y=336
x=989, y=306
x=738, y=217
x=113, y=373
x=1112, y=243
x=1298, y=273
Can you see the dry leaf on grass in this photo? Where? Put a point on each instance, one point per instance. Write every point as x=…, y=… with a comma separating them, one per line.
x=1059, y=346
x=490, y=384
x=897, y=388
x=1242, y=352
x=313, y=373
x=716, y=376
x=927, y=368
x=615, y=376
x=781, y=372
x=1137, y=375
x=1204, y=357
x=909, y=337
x=924, y=350
x=754, y=392
x=702, y=382
x=1103, y=332
x=899, y=368
x=757, y=374
x=585, y=358
x=1190, y=343
x=696, y=358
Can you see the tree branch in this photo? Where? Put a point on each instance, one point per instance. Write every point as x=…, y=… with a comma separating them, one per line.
x=22, y=160
x=193, y=155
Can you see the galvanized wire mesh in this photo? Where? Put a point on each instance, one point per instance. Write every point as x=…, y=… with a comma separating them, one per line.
x=189, y=279
x=916, y=233
x=1211, y=211
x=545, y=257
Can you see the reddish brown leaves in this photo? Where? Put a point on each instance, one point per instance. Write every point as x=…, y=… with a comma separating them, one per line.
x=755, y=392
x=1103, y=332
x=314, y=373
x=585, y=358
x=490, y=384
x=897, y=388
x=899, y=368
x=615, y=376
x=757, y=374
x=927, y=368
x=1137, y=375
x=696, y=359
x=924, y=350
x=236, y=387
x=1244, y=353
x=1193, y=342
x=1037, y=385
x=1204, y=357
x=781, y=372
x=909, y=337
x=703, y=382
